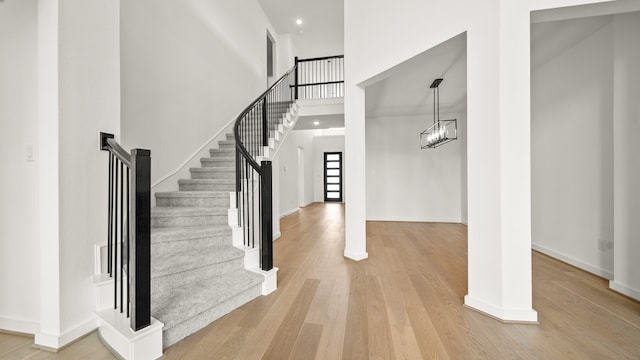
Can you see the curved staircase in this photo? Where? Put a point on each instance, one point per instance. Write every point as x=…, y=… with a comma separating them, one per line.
x=197, y=274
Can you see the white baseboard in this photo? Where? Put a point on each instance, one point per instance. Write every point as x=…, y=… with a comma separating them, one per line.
x=19, y=326
x=624, y=289
x=573, y=261
x=55, y=341
x=464, y=222
x=287, y=213
x=277, y=235
x=528, y=316
x=356, y=256
x=413, y=219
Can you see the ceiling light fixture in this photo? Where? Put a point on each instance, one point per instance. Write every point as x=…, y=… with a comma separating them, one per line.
x=442, y=131
x=316, y=123
x=299, y=21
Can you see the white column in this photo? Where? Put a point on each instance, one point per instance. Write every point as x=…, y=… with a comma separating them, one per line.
x=354, y=187
x=48, y=125
x=499, y=189
x=626, y=127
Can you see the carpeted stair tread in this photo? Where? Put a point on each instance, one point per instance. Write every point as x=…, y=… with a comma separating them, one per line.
x=187, y=301
x=207, y=181
x=175, y=263
x=175, y=211
x=210, y=169
x=195, y=194
x=208, y=184
x=165, y=234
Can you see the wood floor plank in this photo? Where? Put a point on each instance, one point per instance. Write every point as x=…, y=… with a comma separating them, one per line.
x=356, y=342
x=287, y=334
x=307, y=345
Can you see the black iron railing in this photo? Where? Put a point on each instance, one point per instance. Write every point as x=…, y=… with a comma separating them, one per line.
x=129, y=231
x=319, y=78
x=252, y=130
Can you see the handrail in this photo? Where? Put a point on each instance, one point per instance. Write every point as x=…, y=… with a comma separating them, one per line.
x=244, y=113
x=251, y=131
x=320, y=77
x=322, y=58
x=119, y=151
x=129, y=230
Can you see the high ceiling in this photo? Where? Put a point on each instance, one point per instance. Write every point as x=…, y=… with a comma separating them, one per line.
x=404, y=90
x=322, y=30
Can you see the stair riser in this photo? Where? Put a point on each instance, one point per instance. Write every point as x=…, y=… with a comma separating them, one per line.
x=165, y=283
x=214, y=174
x=194, y=201
x=176, y=332
x=218, y=163
x=207, y=187
x=173, y=247
x=204, y=220
x=222, y=152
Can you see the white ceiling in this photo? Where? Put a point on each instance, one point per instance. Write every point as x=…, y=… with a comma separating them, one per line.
x=404, y=89
x=322, y=29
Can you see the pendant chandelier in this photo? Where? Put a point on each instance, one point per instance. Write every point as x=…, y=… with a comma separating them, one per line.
x=442, y=131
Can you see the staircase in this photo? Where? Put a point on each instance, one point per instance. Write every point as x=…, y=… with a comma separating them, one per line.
x=197, y=274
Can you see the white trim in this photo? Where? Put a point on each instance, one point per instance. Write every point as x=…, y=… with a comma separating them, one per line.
x=528, y=316
x=20, y=326
x=287, y=213
x=464, y=222
x=413, y=219
x=115, y=332
x=287, y=131
x=186, y=162
x=356, y=257
x=54, y=341
x=572, y=261
x=277, y=236
x=624, y=289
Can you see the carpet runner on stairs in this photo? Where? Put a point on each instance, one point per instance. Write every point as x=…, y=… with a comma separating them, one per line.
x=197, y=275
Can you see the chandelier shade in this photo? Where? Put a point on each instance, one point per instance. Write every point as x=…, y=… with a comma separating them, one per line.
x=442, y=131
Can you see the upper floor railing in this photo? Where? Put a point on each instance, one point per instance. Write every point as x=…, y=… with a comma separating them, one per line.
x=319, y=78
x=307, y=79
x=129, y=230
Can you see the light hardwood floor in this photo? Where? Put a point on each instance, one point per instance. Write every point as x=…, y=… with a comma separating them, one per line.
x=404, y=302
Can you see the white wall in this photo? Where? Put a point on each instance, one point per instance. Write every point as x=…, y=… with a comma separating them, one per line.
x=288, y=171
x=572, y=152
x=406, y=183
x=19, y=256
x=462, y=137
x=322, y=144
x=188, y=68
x=626, y=119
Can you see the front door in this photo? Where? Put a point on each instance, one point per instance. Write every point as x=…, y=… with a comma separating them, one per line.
x=333, y=176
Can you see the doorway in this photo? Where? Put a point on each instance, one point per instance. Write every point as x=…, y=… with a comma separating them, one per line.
x=271, y=60
x=333, y=176
x=301, y=201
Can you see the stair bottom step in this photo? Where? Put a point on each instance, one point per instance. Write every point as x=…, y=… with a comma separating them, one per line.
x=182, y=330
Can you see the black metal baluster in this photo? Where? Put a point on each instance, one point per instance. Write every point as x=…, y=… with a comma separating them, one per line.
x=115, y=247
x=121, y=233
x=128, y=241
x=110, y=215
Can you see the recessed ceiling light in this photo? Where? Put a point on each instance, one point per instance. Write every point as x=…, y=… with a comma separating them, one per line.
x=316, y=123
x=299, y=21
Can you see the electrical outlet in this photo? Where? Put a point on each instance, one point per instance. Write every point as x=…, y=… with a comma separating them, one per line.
x=604, y=245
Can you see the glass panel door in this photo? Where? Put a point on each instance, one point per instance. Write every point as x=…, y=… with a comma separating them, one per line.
x=333, y=176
